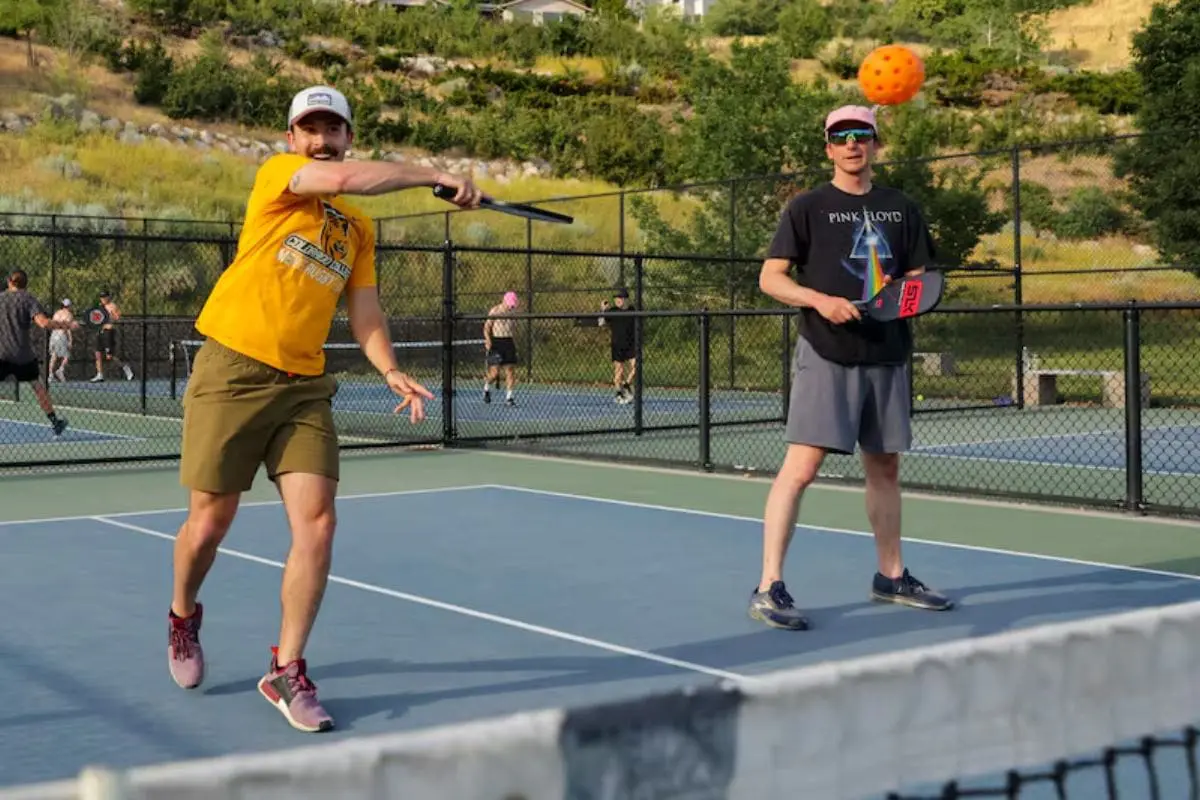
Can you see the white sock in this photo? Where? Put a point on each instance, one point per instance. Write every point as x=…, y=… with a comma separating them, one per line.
x=487, y=386
x=508, y=395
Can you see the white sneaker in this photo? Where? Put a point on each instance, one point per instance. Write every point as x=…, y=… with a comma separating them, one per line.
x=128, y=372
x=98, y=379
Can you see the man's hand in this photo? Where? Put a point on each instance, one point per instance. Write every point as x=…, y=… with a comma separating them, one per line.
x=837, y=310
x=467, y=194
x=411, y=391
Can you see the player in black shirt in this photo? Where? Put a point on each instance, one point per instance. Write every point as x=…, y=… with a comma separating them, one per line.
x=19, y=312
x=622, y=349
x=845, y=239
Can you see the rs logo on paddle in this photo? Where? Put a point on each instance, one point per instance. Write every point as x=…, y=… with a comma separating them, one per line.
x=910, y=298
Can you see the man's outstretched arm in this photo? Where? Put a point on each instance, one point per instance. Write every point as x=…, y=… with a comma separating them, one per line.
x=377, y=177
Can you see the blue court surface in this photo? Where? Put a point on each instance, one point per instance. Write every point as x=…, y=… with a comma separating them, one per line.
x=39, y=433
x=535, y=402
x=456, y=603
x=1166, y=450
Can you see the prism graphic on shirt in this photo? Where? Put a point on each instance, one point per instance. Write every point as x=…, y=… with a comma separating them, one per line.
x=868, y=255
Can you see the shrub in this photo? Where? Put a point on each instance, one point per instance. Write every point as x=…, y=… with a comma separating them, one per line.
x=1089, y=214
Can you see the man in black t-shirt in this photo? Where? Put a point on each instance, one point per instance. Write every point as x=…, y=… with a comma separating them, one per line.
x=19, y=312
x=845, y=239
x=622, y=348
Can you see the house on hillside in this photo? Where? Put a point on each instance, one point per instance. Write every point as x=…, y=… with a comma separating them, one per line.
x=534, y=11
x=688, y=9
x=400, y=5
x=540, y=11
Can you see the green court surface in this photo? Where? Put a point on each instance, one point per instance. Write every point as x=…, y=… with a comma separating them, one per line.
x=1064, y=453
x=1093, y=536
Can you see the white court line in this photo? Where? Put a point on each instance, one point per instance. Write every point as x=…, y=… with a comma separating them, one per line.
x=1037, y=437
x=1026, y=504
x=70, y=427
x=246, y=504
x=849, y=532
x=463, y=610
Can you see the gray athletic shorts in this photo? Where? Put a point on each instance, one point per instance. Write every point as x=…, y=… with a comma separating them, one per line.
x=834, y=406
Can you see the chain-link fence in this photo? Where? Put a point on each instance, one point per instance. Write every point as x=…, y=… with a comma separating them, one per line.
x=1044, y=214
x=1084, y=403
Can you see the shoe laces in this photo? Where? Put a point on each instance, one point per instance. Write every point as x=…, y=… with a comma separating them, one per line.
x=779, y=595
x=182, y=638
x=911, y=584
x=297, y=678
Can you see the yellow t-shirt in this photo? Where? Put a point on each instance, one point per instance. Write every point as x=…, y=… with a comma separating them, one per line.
x=275, y=303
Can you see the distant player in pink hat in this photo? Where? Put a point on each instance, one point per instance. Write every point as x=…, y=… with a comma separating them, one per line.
x=501, y=347
x=845, y=239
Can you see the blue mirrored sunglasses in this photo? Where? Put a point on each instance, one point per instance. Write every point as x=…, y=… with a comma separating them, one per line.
x=857, y=134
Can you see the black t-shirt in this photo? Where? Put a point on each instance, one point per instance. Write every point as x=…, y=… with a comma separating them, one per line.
x=17, y=310
x=621, y=325
x=832, y=239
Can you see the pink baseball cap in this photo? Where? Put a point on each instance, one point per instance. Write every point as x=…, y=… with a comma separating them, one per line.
x=510, y=299
x=850, y=114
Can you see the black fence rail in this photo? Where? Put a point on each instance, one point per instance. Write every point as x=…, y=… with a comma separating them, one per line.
x=1094, y=404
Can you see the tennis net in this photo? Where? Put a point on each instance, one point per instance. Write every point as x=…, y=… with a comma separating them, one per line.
x=1098, y=708
x=345, y=360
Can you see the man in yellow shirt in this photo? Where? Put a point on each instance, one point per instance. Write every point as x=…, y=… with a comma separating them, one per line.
x=258, y=393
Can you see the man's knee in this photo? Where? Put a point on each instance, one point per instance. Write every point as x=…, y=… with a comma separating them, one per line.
x=800, y=467
x=883, y=468
x=209, y=518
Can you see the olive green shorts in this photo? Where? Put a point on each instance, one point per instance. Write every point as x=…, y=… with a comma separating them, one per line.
x=239, y=413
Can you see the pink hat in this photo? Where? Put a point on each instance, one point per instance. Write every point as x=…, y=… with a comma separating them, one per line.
x=510, y=299
x=850, y=114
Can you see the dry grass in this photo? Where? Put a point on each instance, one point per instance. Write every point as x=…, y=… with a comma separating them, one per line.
x=591, y=68
x=55, y=74
x=1097, y=35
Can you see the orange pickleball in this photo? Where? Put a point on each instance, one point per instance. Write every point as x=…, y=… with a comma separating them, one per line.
x=891, y=75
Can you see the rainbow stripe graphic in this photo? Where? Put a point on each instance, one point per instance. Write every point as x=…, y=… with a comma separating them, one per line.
x=873, y=279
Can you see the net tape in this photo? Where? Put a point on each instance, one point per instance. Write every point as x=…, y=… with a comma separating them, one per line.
x=183, y=350
x=850, y=729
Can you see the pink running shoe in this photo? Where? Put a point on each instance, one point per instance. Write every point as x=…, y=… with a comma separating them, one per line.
x=289, y=690
x=185, y=658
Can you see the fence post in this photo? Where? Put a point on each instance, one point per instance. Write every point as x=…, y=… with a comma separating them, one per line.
x=621, y=234
x=1134, y=500
x=1019, y=383
x=529, y=299
x=705, y=389
x=145, y=361
x=53, y=299
x=448, y=314
x=729, y=279
x=786, y=365
x=639, y=300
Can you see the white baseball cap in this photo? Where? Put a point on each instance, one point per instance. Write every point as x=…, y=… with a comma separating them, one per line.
x=319, y=98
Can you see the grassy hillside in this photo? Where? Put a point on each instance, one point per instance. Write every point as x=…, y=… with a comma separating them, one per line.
x=1097, y=35
x=607, y=105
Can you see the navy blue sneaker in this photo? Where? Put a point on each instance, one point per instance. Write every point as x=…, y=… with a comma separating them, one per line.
x=776, y=608
x=908, y=591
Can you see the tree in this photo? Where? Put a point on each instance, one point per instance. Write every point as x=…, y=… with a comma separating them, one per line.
x=1012, y=27
x=26, y=18
x=1163, y=172
x=748, y=118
